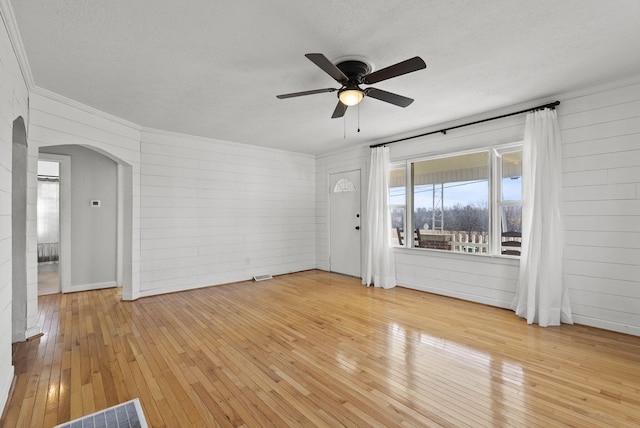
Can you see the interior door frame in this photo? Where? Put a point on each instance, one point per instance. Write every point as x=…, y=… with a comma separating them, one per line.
x=328, y=190
x=65, y=217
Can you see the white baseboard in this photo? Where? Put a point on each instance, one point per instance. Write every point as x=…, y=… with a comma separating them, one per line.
x=607, y=325
x=6, y=388
x=33, y=331
x=95, y=286
x=458, y=295
x=130, y=296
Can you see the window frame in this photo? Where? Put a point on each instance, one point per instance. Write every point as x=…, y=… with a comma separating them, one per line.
x=494, y=198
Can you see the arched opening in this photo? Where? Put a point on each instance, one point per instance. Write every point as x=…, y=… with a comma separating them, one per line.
x=19, y=231
x=53, y=223
x=115, y=263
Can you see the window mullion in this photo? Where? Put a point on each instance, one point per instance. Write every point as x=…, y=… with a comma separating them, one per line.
x=408, y=212
x=496, y=190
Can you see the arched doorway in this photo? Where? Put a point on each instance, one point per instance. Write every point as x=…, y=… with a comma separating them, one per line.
x=19, y=231
x=122, y=182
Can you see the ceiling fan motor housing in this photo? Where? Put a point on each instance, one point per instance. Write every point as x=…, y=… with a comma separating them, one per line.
x=354, y=70
x=351, y=94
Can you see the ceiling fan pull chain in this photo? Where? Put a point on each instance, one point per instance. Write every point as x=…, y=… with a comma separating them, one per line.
x=358, y=117
x=344, y=127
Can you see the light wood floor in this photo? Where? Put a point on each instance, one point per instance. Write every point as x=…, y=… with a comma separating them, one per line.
x=48, y=278
x=318, y=349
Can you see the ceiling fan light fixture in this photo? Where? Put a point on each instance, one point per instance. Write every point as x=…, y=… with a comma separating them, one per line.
x=350, y=97
x=351, y=73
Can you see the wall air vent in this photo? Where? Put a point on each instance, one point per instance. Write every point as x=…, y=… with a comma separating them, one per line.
x=262, y=277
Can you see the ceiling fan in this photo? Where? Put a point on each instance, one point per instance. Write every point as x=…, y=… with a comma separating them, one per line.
x=353, y=73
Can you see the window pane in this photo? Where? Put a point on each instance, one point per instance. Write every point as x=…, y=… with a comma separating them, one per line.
x=344, y=185
x=512, y=176
x=397, y=187
x=450, y=200
x=397, y=226
x=397, y=202
x=511, y=219
x=48, y=169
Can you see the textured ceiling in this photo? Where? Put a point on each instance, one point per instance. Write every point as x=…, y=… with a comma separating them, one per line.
x=213, y=68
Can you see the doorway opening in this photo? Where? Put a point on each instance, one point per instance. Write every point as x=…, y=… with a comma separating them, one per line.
x=19, y=232
x=48, y=227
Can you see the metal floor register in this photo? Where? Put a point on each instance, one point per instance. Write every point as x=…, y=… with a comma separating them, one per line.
x=124, y=415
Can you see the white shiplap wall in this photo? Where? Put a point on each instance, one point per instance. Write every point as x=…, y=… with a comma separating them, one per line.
x=13, y=104
x=601, y=208
x=601, y=188
x=214, y=212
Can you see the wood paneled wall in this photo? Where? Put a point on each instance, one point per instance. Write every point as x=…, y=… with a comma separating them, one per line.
x=13, y=104
x=601, y=151
x=214, y=212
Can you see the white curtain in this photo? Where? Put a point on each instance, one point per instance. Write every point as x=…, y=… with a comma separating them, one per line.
x=541, y=294
x=379, y=268
x=48, y=224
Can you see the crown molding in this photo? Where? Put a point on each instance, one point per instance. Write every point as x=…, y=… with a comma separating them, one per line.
x=9, y=20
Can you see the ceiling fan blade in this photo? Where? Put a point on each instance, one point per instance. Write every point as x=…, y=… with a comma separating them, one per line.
x=300, y=94
x=340, y=110
x=388, y=97
x=408, y=66
x=328, y=67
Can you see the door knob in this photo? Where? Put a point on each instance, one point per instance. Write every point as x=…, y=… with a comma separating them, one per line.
x=357, y=227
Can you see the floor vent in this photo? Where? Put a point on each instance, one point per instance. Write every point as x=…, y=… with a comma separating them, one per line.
x=124, y=415
x=262, y=277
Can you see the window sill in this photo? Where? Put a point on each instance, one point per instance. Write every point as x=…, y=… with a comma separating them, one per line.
x=509, y=260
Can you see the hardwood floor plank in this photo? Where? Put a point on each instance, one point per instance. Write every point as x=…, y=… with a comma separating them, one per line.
x=318, y=349
x=209, y=402
x=64, y=396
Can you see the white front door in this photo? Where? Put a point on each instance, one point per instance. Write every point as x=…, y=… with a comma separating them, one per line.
x=344, y=201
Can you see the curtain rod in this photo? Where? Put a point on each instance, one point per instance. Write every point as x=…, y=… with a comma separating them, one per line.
x=444, y=130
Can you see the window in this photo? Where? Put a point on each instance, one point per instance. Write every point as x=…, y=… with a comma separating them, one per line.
x=344, y=185
x=467, y=202
x=509, y=201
